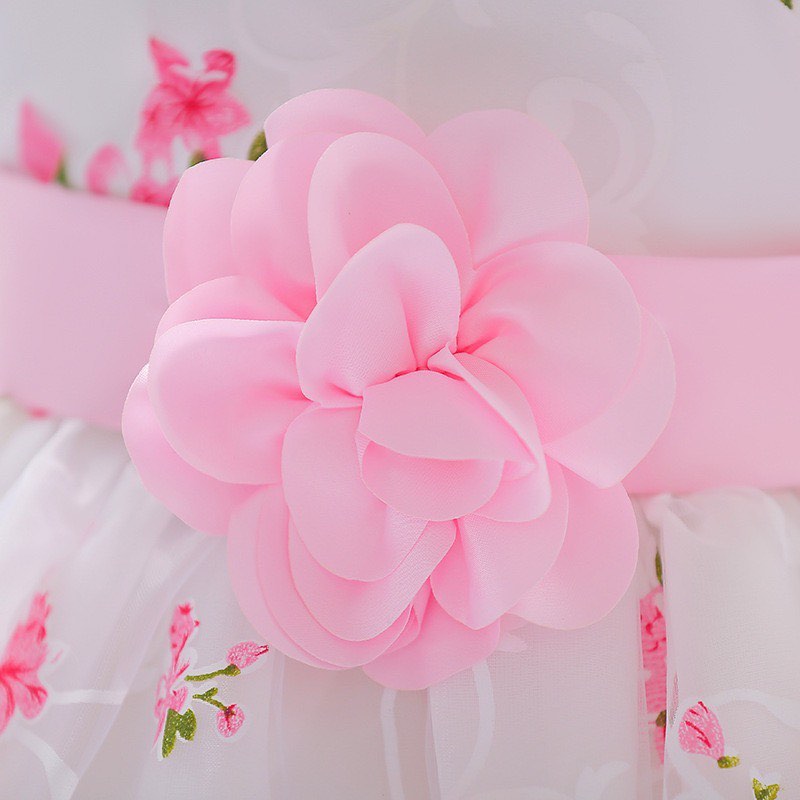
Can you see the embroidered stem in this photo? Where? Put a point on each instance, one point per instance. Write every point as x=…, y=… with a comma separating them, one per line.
x=231, y=670
x=208, y=697
x=258, y=146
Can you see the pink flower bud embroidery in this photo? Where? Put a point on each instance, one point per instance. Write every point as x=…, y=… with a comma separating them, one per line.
x=246, y=653
x=700, y=732
x=229, y=720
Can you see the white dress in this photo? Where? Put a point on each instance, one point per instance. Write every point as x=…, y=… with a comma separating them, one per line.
x=684, y=120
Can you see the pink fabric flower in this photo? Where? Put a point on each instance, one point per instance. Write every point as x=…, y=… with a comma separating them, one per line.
x=397, y=377
x=41, y=150
x=700, y=732
x=246, y=653
x=168, y=696
x=197, y=109
x=20, y=686
x=229, y=720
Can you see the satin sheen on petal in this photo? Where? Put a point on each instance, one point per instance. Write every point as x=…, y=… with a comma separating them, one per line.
x=595, y=565
x=269, y=221
x=492, y=564
x=340, y=111
x=563, y=321
x=344, y=526
x=359, y=610
x=201, y=501
x=197, y=238
x=513, y=181
x=224, y=391
x=363, y=185
x=443, y=647
x=393, y=306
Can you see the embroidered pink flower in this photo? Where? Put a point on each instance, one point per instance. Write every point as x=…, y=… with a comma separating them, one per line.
x=246, y=653
x=229, y=720
x=171, y=693
x=700, y=732
x=20, y=687
x=396, y=376
x=654, y=659
x=41, y=150
x=195, y=108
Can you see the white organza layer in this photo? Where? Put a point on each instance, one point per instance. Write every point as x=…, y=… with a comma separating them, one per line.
x=553, y=715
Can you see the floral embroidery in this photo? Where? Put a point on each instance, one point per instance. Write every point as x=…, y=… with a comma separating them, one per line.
x=765, y=787
x=196, y=109
x=20, y=686
x=700, y=732
x=654, y=658
x=173, y=709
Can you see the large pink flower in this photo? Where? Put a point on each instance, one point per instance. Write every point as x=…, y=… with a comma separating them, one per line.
x=396, y=376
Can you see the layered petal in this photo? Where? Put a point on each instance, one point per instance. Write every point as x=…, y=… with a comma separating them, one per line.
x=348, y=530
x=360, y=610
x=201, y=501
x=431, y=415
x=393, y=306
x=606, y=449
x=287, y=607
x=197, y=230
x=442, y=647
x=561, y=320
x=595, y=565
x=340, y=111
x=512, y=180
x=224, y=391
x=492, y=564
x=269, y=221
x=430, y=488
x=363, y=185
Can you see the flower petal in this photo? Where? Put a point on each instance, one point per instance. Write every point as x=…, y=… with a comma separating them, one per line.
x=286, y=608
x=201, y=501
x=606, y=449
x=225, y=390
x=429, y=487
x=512, y=181
x=442, y=648
x=197, y=230
x=363, y=185
x=269, y=221
x=430, y=415
x=340, y=111
x=595, y=565
x=562, y=321
x=344, y=526
x=360, y=610
x=394, y=305
x=492, y=564
x=234, y=297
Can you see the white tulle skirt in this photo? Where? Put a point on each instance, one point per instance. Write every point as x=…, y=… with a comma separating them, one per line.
x=551, y=715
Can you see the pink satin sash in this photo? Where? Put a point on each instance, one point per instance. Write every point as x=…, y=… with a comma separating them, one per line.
x=82, y=290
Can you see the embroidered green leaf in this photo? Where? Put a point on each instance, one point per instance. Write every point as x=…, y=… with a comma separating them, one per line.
x=231, y=671
x=196, y=157
x=183, y=725
x=659, y=568
x=762, y=792
x=61, y=174
x=726, y=762
x=258, y=146
x=787, y=3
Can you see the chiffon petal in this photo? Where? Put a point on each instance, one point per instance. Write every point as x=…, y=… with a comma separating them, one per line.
x=595, y=565
x=349, y=531
x=512, y=180
x=197, y=238
x=224, y=391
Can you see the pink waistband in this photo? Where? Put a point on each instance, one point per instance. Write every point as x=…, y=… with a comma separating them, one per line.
x=82, y=290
